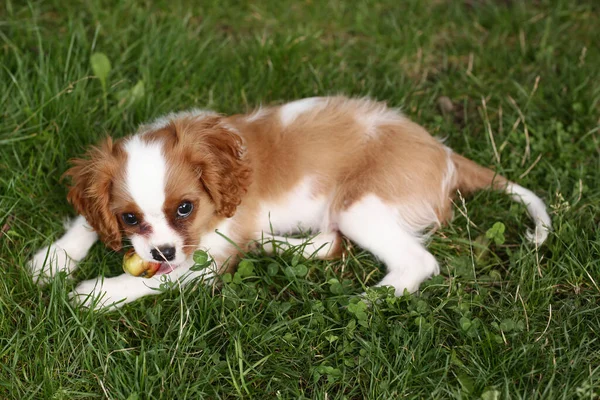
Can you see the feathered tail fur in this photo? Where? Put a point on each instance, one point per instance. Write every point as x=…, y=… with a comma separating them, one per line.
x=472, y=177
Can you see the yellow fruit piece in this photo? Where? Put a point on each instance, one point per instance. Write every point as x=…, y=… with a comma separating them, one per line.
x=134, y=265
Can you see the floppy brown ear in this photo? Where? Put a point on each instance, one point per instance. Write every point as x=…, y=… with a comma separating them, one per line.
x=90, y=191
x=217, y=152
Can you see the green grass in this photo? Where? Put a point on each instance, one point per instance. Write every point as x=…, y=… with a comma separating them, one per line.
x=502, y=321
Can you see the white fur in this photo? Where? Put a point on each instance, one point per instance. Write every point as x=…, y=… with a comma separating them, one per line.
x=145, y=174
x=373, y=225
x=299, y=211
x=536, y=209
x=290, y=111
x=119, y=290
x=65, y=253
x=162, y=235
x=145, y=177
x=416, y=217
x=114, y=292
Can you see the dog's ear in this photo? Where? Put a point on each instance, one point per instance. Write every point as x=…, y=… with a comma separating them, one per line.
x=90, y=191
x=217, y=153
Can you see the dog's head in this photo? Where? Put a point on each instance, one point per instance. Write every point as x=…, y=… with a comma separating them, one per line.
x=164, y=187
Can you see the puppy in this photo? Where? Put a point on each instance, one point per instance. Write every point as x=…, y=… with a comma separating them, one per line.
x=333, y=166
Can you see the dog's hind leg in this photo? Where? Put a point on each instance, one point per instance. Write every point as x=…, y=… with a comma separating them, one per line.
x=377, y=227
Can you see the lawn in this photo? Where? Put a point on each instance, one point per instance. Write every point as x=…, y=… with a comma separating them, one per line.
x=514, y=86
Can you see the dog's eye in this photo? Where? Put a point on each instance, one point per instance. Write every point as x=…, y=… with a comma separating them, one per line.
x=129, y=219
x=184, y=209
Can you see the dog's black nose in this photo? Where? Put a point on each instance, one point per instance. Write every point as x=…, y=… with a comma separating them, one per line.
x=164, y=253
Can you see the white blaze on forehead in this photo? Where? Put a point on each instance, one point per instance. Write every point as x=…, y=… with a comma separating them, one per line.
x=145, y=174
x=145, y=179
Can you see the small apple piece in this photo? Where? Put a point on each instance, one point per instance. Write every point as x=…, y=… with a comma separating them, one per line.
x=134, y=265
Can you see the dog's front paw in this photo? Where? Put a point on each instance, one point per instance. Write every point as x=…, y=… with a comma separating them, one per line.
x=48, y=262
x=99, y=294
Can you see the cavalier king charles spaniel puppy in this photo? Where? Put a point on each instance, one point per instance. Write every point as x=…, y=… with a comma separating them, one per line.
x=333, y=166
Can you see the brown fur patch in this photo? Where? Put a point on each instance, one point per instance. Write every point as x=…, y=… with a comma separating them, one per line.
x=472, y=176
x=92, y=186
x=397, y=160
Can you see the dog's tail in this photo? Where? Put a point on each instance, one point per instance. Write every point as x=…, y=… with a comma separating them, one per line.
x=472, y=177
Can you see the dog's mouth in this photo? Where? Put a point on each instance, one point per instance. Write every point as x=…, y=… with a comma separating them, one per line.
x=165, y=268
